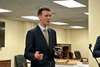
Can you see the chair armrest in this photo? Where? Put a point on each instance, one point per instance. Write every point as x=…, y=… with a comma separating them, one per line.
x=85, y=59
x=26, y=64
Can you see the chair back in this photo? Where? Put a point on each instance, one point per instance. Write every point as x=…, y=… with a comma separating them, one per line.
x=77, y=54
x=20, y=61
x=70, y=55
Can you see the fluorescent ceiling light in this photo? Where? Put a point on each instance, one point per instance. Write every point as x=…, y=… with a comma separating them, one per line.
x=86, y=13
x=70, y=3
x=59, y=23
x=4, y=10
x=77, y=20
x=31, y=17
x=76, y=27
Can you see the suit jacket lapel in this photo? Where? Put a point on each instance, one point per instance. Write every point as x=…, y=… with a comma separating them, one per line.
x=41, y=36
x=50, y=37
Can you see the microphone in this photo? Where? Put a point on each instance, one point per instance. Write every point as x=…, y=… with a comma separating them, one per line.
x=90, y=45
x=94, y=55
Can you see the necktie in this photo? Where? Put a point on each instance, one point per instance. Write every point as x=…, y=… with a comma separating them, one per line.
x=46, y=36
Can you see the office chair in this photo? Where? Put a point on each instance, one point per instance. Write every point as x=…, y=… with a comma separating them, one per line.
x=79, y=57
x=70, y=55
x=20, y=61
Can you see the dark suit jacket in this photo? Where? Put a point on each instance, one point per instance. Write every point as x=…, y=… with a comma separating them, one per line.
x=35, y=41
x=96, y=51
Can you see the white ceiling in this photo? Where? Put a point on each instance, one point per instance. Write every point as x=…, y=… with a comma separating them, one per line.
x=73, y=16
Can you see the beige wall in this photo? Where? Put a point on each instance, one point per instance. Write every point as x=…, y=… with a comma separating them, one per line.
x=13, y=40
x=15, y=33
x=94, y=26
x=79, y=41
x=26, y=26
x=63, y=35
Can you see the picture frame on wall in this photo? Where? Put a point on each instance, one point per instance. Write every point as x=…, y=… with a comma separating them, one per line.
x=2, y=34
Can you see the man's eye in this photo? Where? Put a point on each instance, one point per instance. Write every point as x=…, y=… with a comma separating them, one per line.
x=47, y=15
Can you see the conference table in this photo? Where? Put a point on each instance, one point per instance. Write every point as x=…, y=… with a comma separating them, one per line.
x=78, y=65
x=70, y=63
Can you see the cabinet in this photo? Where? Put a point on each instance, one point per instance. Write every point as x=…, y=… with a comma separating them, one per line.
x=5, y=63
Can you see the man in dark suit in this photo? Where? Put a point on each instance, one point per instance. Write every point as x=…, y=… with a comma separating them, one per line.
x=96, y=51
x=38, y=50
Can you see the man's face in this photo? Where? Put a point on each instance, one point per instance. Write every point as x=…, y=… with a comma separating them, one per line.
x=45, y=17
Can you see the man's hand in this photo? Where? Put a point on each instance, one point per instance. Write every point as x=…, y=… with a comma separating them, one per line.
x=38, y=55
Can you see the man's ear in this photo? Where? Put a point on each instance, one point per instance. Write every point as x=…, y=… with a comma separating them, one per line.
x=39, y=16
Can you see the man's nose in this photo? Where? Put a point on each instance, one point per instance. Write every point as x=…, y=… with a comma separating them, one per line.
x=49, y=17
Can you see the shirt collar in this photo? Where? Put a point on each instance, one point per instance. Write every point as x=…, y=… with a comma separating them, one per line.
x=42, y=28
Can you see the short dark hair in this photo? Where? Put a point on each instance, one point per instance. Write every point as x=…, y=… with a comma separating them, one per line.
x=42, y=9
